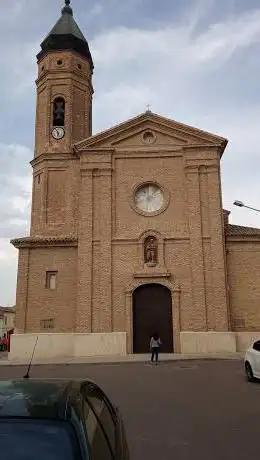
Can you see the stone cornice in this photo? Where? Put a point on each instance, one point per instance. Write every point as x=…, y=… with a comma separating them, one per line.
x=152, y=274
x=51, y=157
x=43, y=241
x=135, y=151
x=69, y=73
x=199, y=146
x=97, y=150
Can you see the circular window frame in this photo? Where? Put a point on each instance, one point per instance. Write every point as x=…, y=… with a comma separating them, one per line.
x=166, y=199
x=148, y=131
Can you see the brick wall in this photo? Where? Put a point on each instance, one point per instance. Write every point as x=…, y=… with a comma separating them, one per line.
x=44, y=304
x=243, y=263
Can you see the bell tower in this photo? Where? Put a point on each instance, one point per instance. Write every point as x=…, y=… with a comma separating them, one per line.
x=63, y=117
x=46, y=295
x=64, y=87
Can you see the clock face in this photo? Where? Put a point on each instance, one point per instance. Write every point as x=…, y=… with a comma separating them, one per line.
x=58, y=132
x=149, y=198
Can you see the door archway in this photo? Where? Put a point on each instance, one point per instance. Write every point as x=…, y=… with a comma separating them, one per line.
x=152, y=312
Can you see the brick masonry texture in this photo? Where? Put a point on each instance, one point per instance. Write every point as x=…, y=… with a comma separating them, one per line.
x=85, y=225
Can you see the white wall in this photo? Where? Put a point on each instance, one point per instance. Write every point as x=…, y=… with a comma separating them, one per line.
x=66, y=345
x=246, y=339
x=207, y=342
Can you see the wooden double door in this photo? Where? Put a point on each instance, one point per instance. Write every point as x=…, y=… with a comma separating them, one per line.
x=152, y=312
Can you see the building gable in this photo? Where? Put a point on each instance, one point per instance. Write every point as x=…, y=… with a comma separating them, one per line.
x=149, y=129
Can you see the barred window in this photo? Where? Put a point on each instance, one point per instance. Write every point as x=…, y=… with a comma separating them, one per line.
x=47, y=323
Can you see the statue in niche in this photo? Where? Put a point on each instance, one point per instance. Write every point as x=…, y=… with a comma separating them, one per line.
x=151, y=251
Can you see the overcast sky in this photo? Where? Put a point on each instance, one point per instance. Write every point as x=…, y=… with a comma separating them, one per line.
x=196, y=61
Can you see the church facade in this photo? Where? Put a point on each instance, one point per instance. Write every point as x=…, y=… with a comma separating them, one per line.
x=128, y=233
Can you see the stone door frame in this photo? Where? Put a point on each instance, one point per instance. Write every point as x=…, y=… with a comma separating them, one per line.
x=175, y=295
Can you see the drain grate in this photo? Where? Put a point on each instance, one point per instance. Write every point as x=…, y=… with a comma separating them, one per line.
x=187, y=366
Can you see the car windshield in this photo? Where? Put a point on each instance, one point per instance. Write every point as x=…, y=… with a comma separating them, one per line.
x=41, y=440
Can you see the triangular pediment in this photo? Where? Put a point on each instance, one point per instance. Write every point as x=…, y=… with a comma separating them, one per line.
x=158, y=136
x=162, y=131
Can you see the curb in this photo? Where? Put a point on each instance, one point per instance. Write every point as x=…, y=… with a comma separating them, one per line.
x=124, y=360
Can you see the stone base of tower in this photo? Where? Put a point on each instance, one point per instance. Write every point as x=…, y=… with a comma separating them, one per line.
x=66, y=345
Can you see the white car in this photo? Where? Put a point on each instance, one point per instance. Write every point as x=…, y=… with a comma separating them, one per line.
x=252, y=362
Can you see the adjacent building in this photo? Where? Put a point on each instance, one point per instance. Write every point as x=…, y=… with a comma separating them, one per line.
x=7, y=320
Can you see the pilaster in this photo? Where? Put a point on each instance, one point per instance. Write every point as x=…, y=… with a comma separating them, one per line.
x=106, y=313
x=85, y=253
x=22, y=290
x=219, y=305
x=72, y=194
x=176, y=326
x=199, y=319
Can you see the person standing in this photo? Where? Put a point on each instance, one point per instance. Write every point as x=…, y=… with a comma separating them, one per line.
x=155, y=344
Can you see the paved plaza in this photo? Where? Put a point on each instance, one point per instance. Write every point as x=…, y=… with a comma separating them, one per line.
x=179, y=410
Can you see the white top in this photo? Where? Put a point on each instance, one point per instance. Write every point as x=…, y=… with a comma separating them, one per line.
x=155, y=343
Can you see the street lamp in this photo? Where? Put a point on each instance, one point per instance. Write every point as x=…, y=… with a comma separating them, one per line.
x=240, y=204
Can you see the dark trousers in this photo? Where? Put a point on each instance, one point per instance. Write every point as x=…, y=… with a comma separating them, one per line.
x=155, y=354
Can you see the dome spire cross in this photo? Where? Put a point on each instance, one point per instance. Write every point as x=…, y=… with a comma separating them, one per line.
x=67, y=9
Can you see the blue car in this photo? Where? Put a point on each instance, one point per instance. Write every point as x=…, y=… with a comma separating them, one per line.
x=59, y=420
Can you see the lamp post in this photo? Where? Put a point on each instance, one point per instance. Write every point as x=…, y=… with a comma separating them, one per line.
x=240, y=204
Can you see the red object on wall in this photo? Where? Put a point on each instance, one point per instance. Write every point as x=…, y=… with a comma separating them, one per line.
x=9, y=333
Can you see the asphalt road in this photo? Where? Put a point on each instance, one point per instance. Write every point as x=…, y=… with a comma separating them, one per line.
x=177, y=410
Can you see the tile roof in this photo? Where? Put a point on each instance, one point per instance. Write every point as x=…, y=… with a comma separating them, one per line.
x=7, y=309
x=239, y=230
x=67, y=25
x=30, y=241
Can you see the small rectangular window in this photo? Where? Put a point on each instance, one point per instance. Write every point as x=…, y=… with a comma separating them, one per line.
x=47, y=323
x=51, y=280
